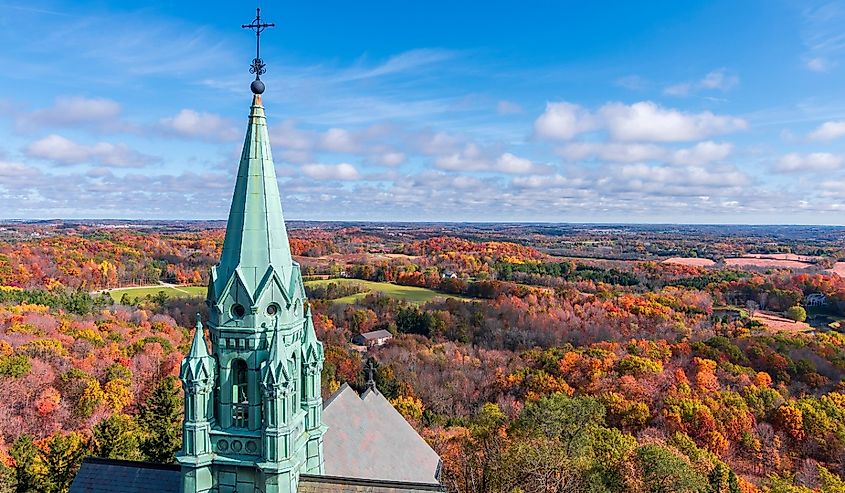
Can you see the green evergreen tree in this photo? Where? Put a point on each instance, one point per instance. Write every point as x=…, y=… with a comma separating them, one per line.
x=116, y=437
x=161, y=423
x=24, y=453
x=723, y=480
x=59, y=461
x=7, y=479
x=664, y=472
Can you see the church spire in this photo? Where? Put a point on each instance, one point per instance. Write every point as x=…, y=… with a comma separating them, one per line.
x=256, y=244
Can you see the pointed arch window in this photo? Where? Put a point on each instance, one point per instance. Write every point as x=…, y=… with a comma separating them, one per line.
x=240, y=393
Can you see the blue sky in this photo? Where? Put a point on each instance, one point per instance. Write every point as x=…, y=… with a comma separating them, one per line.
x=674, y=111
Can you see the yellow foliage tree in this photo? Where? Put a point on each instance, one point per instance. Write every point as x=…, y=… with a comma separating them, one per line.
x=410, y=407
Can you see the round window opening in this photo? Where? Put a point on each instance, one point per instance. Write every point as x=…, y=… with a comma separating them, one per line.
x=238, y=311
x=272, y=309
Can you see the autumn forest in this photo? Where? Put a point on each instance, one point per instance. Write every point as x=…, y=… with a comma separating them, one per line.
x=533, y=358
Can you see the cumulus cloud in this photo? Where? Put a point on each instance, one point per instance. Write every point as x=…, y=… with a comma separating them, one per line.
x=624, y=152
x=64, y=151
x=342, y=171
x=508, y=163
x=75, y=111
x=688, y=176
x=472, y=158
x=13, y=170
x=702, y=153
x=828, y=131
x=388, y=158
x=199, y=125
x=546, y=182
x=646, y=121
x=339, y=140
x=563, y=121
x=612, y=151
x=817, y=161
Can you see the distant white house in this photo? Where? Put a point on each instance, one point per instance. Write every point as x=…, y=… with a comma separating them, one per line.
x=815, y=299
x=374, y=338
x=449, y=274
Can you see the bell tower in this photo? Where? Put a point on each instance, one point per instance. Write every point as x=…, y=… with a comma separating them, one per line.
x=253, y=405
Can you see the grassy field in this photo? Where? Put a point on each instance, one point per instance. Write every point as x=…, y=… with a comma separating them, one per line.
x=407, y=293
x=171, y=291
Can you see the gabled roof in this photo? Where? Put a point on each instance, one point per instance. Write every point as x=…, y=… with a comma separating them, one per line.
x=368, y=438
x=256, y=237
x=376, y=334
x=122, y=476
x=329, y=484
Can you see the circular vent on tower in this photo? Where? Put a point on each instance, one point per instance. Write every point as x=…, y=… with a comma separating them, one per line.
x=272, y=309
x=238, y=311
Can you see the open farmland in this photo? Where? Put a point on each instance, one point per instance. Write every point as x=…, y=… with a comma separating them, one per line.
x=141, y=292
x=769, y=261
x=411, y=294
x=690, y=261
x=838, y=269
x=776, y=323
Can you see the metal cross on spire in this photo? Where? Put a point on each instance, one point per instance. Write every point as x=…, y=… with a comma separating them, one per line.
x=258, y=65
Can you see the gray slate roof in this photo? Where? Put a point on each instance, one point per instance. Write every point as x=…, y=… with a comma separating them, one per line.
x=123, y=476
x=376, y=334
x=328, y=484
x=367, y=438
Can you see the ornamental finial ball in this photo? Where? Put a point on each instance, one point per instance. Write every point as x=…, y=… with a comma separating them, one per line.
x=257, y=87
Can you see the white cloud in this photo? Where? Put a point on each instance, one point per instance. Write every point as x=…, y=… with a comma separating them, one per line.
x=433, y=144
x=702, y=153
x=342, y=171
x=199, y=125
x=817, y=64
x=612, y=151
x=470, y=158
x=546, y=182
x=564, y=121
x=828, y=131
x=646, y=121
x=11, y=170
x=65, y=151
x=678, y=89
x=75, y=111
x=389, y=158
x=508, y=107
x=339, y=140
x=817, y=161
x=719, y=79
x=473, y=158
x=684, y=180
x=78, y=110
x=508, y=163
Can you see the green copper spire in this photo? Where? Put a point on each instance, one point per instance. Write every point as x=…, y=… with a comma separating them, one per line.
x=256, y=242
